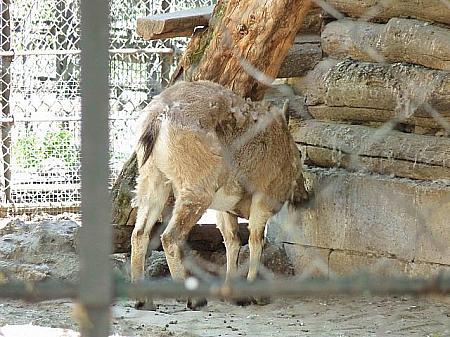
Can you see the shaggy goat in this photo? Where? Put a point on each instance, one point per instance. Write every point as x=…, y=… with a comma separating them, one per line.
x=213, y=150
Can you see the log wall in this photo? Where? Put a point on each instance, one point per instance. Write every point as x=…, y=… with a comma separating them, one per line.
x=381, y=64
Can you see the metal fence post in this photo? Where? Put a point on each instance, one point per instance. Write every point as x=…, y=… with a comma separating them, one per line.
x=166, y=60
x=96, y=288
x=5, y=85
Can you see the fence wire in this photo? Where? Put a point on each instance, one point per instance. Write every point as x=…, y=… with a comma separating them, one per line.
x=41, y=143
x=40, y=84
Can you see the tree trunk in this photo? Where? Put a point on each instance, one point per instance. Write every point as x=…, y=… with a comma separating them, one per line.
x=248, y=39
x=240, y=34
x=400, y=40
x=363, y=148
x=122, y=194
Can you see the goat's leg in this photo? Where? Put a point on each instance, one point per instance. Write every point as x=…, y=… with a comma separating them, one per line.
x=152, y=194
x=259, y=215
x=257, y=225
x=228, y=226
x=189, y=207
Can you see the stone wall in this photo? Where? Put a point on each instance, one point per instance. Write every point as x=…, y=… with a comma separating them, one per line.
x=360, y=221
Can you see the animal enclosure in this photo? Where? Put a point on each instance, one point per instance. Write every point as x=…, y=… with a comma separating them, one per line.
x=366, y=89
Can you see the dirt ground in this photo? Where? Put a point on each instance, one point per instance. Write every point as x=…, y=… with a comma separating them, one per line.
x=27, y=252
x=328, y=317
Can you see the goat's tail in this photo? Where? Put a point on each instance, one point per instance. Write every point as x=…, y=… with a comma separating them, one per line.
x=150, y=131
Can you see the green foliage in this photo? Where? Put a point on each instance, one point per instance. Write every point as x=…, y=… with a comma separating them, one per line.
x=26, y=153
x=60, y=144
x=30, y=151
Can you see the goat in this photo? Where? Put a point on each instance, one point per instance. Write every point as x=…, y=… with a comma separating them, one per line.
x=213, y=150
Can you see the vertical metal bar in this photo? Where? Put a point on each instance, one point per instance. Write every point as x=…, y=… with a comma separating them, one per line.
x=5, y=94
x=96, y=233
x=166, y=60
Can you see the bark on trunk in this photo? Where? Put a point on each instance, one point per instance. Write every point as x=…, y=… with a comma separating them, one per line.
x=357, y=147
x=122, y=194
x=245, y=39
x=400, y=40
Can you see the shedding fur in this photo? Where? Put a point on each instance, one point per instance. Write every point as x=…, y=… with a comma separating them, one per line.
x=210, y=148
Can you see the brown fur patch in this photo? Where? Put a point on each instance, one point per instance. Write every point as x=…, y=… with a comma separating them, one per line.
x=148, y=137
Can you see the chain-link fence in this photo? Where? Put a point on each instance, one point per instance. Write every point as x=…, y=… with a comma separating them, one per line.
x=375, y=147
x=41, y=95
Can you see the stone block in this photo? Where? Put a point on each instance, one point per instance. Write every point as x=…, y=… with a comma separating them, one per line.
x=346, y=263
x=421, y=269
x=308, y=261
x=433, y=225
x=357, y=212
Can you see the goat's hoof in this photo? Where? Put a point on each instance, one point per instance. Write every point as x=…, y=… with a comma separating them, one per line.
x=145, y=305
x=244, y=301
x=249, y=300
x=196, y=303
x=262, y=300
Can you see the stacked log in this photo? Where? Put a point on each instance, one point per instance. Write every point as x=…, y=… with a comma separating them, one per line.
x=375, y=10
x=399, y=40
x=357, y=147
x=376, y=92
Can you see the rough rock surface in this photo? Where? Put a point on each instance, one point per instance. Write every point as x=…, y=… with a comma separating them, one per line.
x=39, y=249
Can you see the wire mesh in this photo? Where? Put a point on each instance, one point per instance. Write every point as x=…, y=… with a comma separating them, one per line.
x=41, y=112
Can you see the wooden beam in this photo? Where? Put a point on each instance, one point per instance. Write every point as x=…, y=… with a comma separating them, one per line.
x=418, y=90
x=48, y=208
x=305, y=53
x=175, y=24
x=370, y=115
x=358, y=147
x=400, y=40
x=375, y=10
